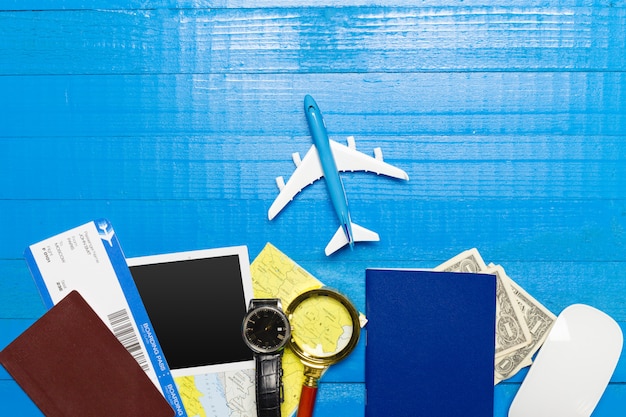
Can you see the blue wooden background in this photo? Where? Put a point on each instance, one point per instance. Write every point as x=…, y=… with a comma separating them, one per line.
x=171, y=118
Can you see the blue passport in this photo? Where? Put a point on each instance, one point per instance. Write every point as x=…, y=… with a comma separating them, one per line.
x=430, y=343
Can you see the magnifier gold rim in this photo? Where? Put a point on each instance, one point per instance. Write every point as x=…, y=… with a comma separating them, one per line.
x=356, y=328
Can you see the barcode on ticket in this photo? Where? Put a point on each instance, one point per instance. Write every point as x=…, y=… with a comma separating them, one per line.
x=123, y=330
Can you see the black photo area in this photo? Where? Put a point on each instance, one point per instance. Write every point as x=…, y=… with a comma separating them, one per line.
x=196, y=308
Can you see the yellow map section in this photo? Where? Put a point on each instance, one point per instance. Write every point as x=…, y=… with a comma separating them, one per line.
x=274, y=275
x=187, y=385
x=324, y=326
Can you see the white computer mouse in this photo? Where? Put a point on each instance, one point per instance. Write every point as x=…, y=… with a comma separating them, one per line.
x=573, y=367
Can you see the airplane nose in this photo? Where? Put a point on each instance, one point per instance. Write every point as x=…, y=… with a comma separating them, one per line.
x=309, y=102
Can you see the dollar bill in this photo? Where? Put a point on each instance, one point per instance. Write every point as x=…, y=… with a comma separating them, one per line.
x=466, y=261
x=539, y=321
x=512, y=333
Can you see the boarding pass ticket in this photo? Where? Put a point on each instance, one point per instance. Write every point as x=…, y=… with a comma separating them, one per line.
x=89, y=259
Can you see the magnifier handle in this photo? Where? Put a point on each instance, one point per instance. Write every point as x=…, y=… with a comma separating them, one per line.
x=307, y=401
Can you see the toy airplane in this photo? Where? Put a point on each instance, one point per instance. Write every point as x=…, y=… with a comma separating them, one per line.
x=326, y=158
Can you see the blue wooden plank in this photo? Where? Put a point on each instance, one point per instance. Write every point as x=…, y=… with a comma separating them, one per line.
x=306, y=40
x=551, y=229
x=187, y=224
x=215, y=105
x=30, y=5
x=528, y=166
x=529, y=229
x=21, y=300
x=40, y=5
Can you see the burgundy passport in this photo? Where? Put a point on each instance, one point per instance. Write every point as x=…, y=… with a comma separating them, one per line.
x=71, y=365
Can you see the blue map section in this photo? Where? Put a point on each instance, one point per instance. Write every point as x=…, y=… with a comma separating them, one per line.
x=219, y=394
x=214, y=399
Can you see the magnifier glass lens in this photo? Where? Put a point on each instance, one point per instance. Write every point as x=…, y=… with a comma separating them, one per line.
x=321, y=326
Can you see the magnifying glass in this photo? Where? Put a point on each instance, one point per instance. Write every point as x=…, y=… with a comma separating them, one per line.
x=325, y=328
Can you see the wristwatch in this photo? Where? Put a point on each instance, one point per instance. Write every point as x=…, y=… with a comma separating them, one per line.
x=266, y=331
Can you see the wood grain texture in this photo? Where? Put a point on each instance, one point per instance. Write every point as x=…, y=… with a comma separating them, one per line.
x=313, y=40
x=172, y=119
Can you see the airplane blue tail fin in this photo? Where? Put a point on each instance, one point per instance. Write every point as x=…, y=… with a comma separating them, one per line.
x=359, y=234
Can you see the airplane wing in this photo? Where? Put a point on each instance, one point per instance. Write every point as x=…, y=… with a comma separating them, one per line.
x=308, y=171
x=349, y=159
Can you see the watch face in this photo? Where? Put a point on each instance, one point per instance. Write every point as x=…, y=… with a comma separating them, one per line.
x=266, y=329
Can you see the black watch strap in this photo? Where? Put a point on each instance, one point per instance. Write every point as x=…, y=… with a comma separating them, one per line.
x=269, y=393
